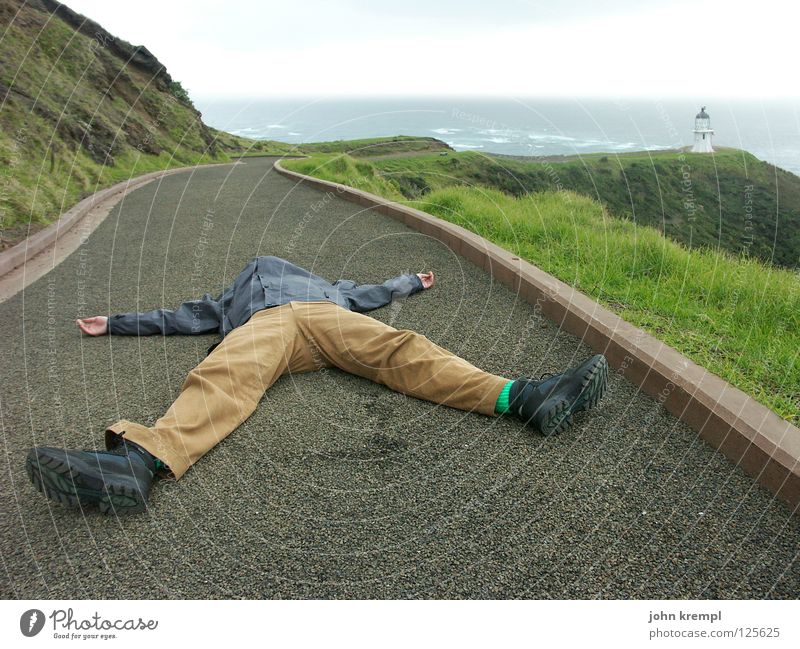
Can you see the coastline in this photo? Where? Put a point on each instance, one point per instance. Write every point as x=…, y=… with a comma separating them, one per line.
x=520, y=125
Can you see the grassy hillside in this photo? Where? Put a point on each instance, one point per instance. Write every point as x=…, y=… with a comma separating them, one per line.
x=378, y=147
x=729, y=200
x=373, y=148
x=734, y=315
x=80, y=110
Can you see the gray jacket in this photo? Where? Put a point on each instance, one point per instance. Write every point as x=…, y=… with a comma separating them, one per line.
x=265, y=282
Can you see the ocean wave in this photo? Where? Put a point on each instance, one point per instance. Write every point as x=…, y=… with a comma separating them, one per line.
x=495, y=131
x=587, y=143
x=550, y=137
x=445, y=131
x=457, y=145
x=499, y=140
x=275, y=126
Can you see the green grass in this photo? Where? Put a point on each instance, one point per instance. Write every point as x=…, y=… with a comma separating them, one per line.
x=734, y=315
x=729, y=200
x=77, y=118
x=361, y=174
x=377, y=146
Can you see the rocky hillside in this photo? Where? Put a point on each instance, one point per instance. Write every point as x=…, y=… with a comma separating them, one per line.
x=81, y=109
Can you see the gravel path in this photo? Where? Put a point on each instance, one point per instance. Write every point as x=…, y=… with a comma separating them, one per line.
x=388, y=497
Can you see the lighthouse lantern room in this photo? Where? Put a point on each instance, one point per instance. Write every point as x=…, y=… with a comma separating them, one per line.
x=702, y=132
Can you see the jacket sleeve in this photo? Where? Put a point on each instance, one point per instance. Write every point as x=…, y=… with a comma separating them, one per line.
x=366, y=297
x=192, y=317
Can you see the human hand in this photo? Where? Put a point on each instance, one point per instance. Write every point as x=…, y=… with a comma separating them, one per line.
x=427, y=279
x=94, y=326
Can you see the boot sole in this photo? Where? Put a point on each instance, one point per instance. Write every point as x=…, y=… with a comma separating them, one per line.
x=556, y=419
x=593, y=384
x=63, y=482
x=557, y=416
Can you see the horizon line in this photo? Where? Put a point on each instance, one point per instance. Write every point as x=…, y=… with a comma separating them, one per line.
x=509, y=97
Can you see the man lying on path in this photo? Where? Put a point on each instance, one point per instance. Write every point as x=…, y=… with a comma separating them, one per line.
x=277, y=318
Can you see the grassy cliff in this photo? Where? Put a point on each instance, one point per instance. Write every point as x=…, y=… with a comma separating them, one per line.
x=80, y=110
x=733, y=314
x=730, y=200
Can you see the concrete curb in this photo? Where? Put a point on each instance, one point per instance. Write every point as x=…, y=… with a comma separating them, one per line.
x=18, y=255
x=754, y=437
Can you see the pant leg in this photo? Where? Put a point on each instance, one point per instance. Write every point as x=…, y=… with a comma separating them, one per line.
x=223, y=390
x=403, y=360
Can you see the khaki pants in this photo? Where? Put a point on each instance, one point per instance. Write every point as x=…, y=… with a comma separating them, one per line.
x=225, y=388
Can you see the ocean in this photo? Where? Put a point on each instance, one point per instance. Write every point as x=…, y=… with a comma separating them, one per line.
x=535, y=127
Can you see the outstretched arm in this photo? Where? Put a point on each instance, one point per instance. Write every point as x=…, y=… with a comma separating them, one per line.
x=366, y=297
x=192, y=317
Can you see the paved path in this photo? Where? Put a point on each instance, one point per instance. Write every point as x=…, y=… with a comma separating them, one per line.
x=386, y=497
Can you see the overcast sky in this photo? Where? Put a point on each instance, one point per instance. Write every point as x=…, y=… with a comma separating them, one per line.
x=510, y=48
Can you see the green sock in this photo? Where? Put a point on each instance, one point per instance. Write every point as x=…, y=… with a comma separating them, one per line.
x=160, y=465
x=502, y=405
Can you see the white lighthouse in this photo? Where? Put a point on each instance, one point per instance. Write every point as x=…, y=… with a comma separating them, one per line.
x=702, y=132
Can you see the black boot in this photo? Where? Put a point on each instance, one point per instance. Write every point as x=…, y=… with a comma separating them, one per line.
x=549, y=403
x=118, y=481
